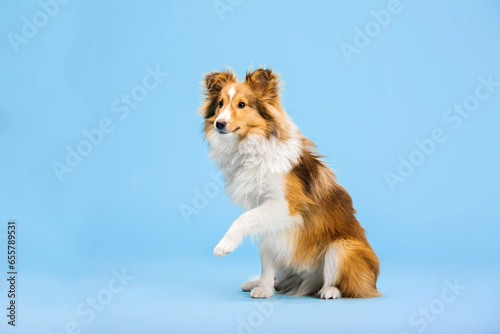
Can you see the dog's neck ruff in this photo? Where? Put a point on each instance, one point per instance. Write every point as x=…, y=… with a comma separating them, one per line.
x=254, y=168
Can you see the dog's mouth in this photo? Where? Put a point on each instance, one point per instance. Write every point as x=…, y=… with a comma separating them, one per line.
x=224, y=131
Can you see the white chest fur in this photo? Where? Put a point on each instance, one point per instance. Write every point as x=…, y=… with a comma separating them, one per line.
x=255, y=167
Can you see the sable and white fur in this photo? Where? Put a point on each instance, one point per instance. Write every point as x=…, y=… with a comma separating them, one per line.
x=310, y=241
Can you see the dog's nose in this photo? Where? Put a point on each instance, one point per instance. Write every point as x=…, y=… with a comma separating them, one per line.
x=220, y=125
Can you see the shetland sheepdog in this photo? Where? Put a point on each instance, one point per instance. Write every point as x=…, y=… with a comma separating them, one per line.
x=310, y=242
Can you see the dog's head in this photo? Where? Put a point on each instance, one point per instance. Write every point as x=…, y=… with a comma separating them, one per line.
x=249, y=107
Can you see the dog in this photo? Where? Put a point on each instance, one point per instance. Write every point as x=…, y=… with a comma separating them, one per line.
x=311, y=243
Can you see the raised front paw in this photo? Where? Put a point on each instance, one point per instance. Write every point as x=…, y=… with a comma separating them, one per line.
x=226, y=246
x=261, y=292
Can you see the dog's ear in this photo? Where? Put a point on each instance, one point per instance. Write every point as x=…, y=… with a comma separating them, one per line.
x=264, y=82
x=215, y=81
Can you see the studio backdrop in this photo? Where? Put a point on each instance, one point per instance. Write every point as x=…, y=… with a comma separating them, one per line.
x=110, y=207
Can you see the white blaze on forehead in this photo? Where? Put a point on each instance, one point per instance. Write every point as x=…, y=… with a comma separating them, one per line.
x=226, y=113
x=231, y=94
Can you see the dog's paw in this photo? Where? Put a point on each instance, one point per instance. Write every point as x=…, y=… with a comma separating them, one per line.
x=248, y=286
x=226, y=246
x=260, y=292
x=330, y=293
x=220, y=251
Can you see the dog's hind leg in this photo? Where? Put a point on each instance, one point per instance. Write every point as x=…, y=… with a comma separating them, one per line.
x=330, y=275
x=351, y=270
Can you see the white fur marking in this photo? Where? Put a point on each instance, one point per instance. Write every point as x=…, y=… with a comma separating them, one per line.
x=254, y=168
x=225, y=115
x=256, y=221
x=330, y=275
x=249, y=285
x=261, y=292
x=330, y=293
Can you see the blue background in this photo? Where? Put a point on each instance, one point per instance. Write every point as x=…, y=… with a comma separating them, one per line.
x=120, y=208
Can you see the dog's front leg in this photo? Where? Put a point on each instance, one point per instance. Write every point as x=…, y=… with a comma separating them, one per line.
x=271, y=215
x=265, y=288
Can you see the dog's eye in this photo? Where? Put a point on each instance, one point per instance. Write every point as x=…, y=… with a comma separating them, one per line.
x=221, y=103
x=241, y=105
